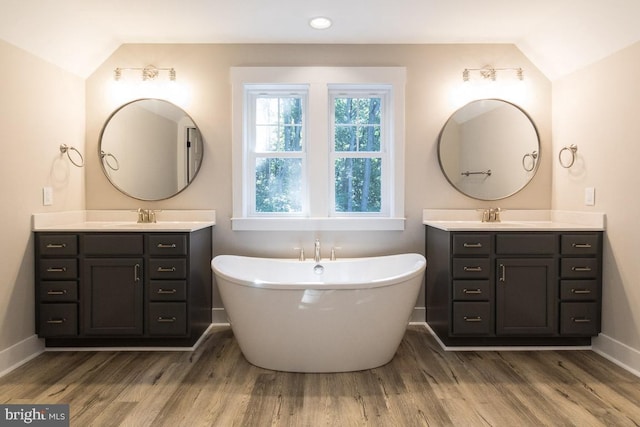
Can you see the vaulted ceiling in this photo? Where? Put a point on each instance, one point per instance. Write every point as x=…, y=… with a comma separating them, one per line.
x=559, y=36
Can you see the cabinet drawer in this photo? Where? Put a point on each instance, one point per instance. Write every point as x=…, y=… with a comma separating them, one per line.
x=578, y=290
x=58, y=320
x=577, y=244
x=168, y=268
x=63, y=268
x=58, y=244
x=470, y=244
x=579, y=318
x=471, y=268
x=113, y=244
x=528, y=244
x=471, y=290
x=472, y=318
x=168, y=290
x=579, y=267
x=167, y=244
x=167, y=318
x=58, y=291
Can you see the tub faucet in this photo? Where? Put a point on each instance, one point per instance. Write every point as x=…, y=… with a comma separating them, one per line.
x=316, y=251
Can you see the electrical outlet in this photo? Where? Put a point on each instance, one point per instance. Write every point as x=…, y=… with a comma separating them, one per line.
x=589, y=196
x=47, y=196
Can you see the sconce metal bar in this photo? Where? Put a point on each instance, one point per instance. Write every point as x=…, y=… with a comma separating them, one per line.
x=150, y=72
x=490, y=73
x=467, y=173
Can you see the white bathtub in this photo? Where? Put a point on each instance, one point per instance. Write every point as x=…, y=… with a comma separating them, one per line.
x=289, y=316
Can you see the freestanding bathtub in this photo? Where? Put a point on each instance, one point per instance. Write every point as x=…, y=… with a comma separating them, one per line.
x=332, y=316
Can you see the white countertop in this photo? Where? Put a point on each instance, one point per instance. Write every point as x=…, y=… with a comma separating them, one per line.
x=123, y=221
x=514, y=220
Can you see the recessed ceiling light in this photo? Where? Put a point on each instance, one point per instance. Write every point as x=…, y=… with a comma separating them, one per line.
x=320, y=23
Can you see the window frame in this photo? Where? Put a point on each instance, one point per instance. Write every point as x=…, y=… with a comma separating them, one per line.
x=318, y=125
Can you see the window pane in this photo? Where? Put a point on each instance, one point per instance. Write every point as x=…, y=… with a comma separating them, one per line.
x=278, y=185
x=357, y=138
x=278, y=124
x=357, y=124
x=358, y=184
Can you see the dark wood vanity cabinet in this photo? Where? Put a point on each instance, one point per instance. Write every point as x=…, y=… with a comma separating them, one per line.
x=513, y=288
x=133, y=289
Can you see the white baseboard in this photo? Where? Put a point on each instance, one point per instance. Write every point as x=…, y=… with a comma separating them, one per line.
x=218, y=315
x=619, y=353
x=20, y=353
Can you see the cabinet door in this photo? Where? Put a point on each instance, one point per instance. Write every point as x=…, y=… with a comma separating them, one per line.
x=525, y=296
x=112, y=296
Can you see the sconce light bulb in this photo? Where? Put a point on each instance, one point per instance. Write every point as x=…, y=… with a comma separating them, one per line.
x=520, y=74
x=172, y=74
x=117, y=74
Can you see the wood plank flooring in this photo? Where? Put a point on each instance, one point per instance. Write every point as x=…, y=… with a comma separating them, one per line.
x=423, y=385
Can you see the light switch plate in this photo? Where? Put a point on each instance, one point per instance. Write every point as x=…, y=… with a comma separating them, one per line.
x=47, y=196
x=589, y=196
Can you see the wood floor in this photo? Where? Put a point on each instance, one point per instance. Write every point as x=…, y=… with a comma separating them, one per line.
x=423, y=385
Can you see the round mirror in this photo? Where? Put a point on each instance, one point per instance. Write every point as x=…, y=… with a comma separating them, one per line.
x=150, y=149
x=489, y=149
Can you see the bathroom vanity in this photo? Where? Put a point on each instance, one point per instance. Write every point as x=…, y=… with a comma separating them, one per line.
x=526, y=282
x=118, y=283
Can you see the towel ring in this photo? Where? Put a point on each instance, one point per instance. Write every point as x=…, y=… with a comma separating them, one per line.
x=64, y=148
x=534, y=157
x=573, y=148
x=111, y=164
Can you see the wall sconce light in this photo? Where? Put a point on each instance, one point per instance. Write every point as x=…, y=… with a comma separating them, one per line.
x=149, y=72
x=490, y=73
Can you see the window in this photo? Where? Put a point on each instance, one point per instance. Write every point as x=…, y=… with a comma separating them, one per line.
x=276, y=151
x=318, y=148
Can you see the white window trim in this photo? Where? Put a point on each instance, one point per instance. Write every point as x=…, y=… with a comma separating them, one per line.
x=320, y=79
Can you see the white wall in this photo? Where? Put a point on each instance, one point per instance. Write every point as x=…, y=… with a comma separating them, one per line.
x=596, y=108
x=434, y=91
x=41, y=107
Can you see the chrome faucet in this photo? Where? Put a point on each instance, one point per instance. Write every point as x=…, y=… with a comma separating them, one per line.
x=316, y=251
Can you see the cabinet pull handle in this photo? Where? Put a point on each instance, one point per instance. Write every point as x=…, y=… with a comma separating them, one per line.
x=166, y=269
x=503, y=273
x=54, y=292
x=56, y=245
x=581, y=245
x=581, y=268
x=166, y=245
x=56, y=269
x=472, y=319
x=580, y=320
x=166, y=319
x=472, y=269
x=166, y=291
x=580, y=291
x=136, y=273
x=471, y=291
x=472, y=245
x=56, y=321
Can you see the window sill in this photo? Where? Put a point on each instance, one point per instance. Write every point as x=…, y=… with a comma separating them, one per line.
x=317, y=224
